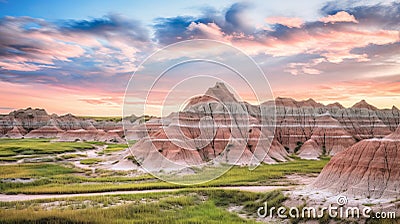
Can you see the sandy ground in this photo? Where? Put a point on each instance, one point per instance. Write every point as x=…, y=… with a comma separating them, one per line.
x=321, y=198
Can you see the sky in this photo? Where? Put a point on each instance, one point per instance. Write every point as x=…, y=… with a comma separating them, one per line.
x=78, y=56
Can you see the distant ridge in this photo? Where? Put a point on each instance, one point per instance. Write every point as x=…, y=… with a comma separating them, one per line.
x=335, y=105
x=363, y=104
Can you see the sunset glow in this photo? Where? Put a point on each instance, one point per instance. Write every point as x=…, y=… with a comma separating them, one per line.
x=80, y=62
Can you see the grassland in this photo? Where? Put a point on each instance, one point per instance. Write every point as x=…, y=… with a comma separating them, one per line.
x=110, y=148
x=16, y=147
x=90, y=161
x=187, y=206
x=202, y=203
x=56, y=179
x=184, y=206
x=72, y=156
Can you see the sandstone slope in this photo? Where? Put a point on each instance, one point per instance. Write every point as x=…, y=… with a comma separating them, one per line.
x=370, y=168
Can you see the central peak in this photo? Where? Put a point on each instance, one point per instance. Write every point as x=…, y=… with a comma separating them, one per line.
x=221, y=92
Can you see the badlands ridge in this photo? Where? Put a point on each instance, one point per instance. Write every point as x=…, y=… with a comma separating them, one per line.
x=363, y=140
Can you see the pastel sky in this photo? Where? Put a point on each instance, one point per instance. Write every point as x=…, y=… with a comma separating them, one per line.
x=77, y=56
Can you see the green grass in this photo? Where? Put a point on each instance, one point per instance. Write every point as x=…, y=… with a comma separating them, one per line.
x=8, y=159
x=237, y=176
x=90, y=161
x=13, y=147
x=42, y=174
x=189, y=206
x=72, y=156
x=264, y=174
x=34, y=170
x=113, y=148
x=184, y=206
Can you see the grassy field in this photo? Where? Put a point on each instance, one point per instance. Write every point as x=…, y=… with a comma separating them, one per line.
x=90, y=161
x=16, y=147
x=113, y=148
x=184, y=206
x=58, y=176
x=202, y=203
x=188, y=206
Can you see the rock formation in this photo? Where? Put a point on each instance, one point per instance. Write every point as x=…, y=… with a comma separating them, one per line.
x=36, y=123
x=370, y=169
x=48, y=131
x=299, y=121
x=89, y=135
x=319, y=129
x=364, y=105
x=330, y=135
x=15, y=132
x=310, y=150
x=213, y=127
x=333, y=128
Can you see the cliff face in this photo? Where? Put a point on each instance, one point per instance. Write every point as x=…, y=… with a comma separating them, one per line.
x=307, y=127
x=370, y=168
x=212, y=127
x=332, y=128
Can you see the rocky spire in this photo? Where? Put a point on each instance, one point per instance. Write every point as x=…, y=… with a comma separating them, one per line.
x=365, y=105
x=221, y=92
x=335, y=105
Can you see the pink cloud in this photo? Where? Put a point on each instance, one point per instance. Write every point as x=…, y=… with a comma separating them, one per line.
x=104, y=100
x=305, y=68
x=286, y=21
x=209, y=30
x=334, y=43
x=42, y=47
x=341, y=16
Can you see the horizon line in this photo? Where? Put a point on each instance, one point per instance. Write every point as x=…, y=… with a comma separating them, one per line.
x=120, y=115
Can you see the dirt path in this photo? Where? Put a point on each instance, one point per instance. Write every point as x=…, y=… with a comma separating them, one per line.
x=26, y=197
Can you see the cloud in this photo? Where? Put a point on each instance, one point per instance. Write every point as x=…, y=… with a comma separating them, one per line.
x=171, y=30
x=94, y=58
x=31, y=49
x=7, y=108
x=382, y=92
x=29, y=44
x=385, y=16
x=232, y=22
x=104, y=101
x=110, y=26
x=305, y=68
x=333, y=38
x=237, y=19
x=285, y=21
x=206, y=31
x=341, y=16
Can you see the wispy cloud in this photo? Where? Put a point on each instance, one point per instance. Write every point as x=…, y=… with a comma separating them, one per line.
x=30, y=44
